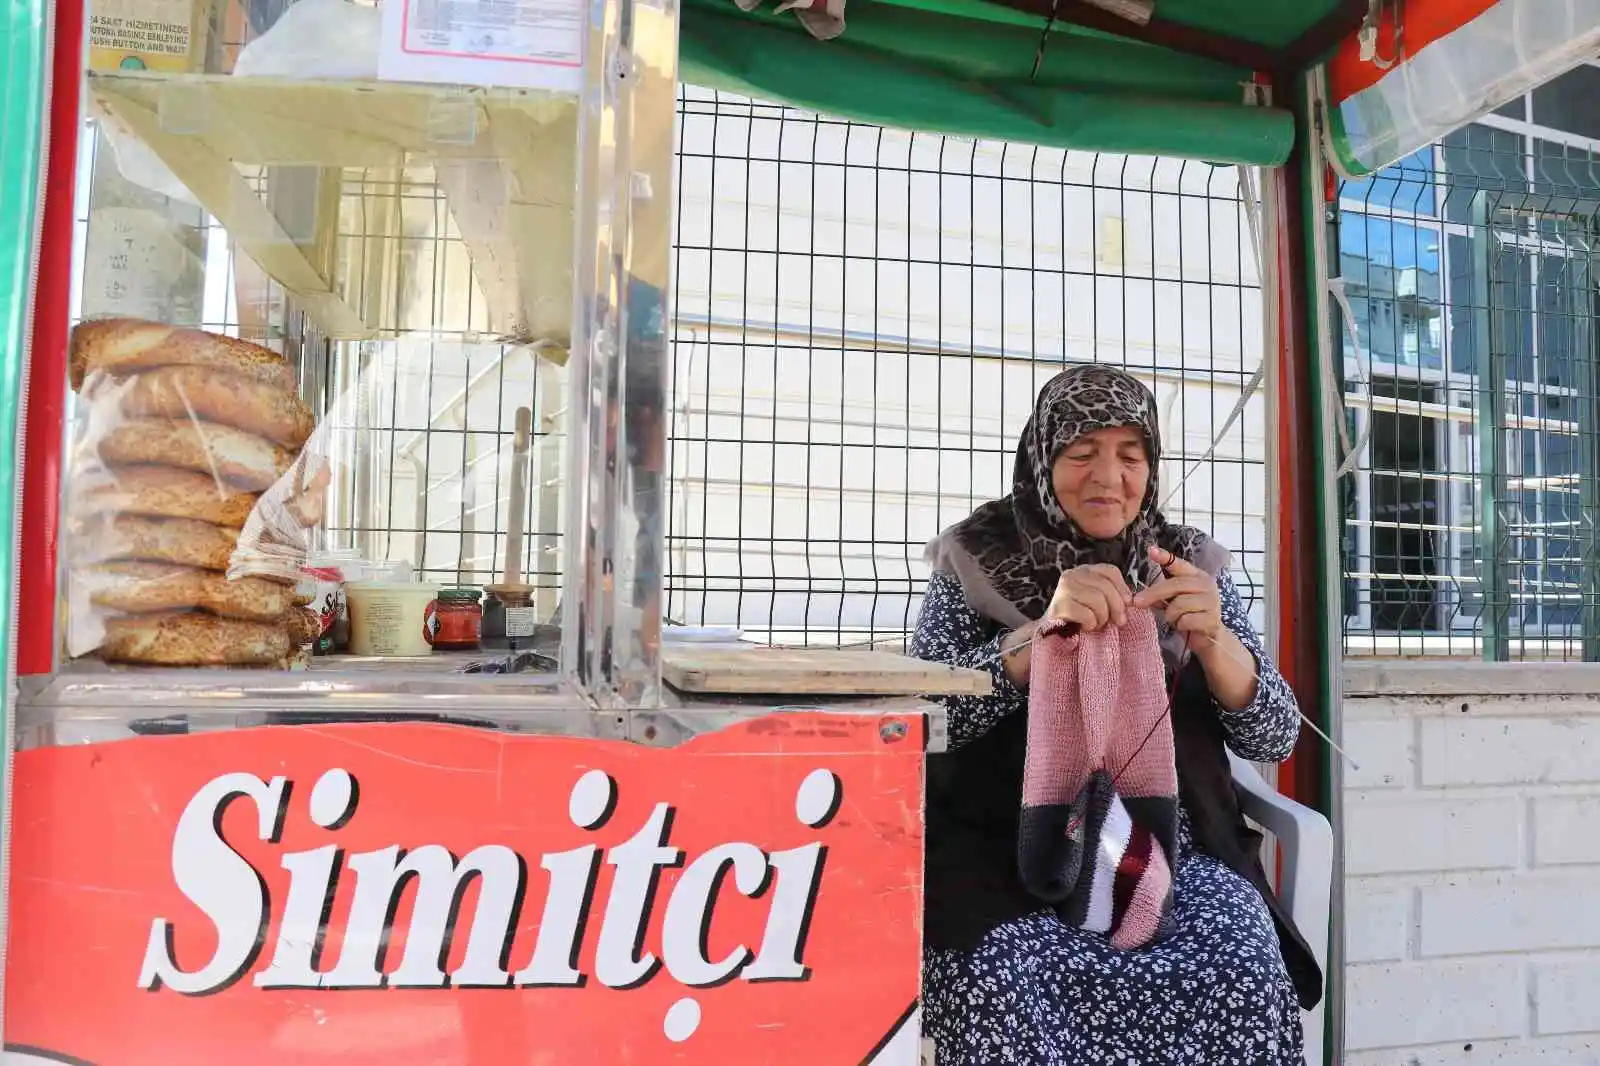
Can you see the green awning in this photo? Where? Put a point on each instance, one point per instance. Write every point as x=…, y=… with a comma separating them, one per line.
x=965, y=67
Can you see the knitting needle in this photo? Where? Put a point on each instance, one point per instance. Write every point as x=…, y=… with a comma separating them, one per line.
x=1006, y=653
x=1312, y=725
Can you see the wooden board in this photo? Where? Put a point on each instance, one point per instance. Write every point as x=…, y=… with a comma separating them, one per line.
x=800, y=671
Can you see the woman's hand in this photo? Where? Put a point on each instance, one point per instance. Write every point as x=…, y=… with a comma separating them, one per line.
x=1192, y=603
x=1093, y=597
x=1189, y=598
x=1089, y=596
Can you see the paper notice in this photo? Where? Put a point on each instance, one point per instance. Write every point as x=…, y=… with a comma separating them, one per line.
x=535, y=44
x=142, y=35
x=521, y=622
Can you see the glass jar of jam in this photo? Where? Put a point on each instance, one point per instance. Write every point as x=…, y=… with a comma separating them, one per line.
x=457, y=620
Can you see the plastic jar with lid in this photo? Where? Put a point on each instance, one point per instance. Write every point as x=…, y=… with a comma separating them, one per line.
x=457, y=621
x=391, y=619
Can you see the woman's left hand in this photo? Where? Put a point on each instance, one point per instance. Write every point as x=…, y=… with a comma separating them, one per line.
x=1188, y=596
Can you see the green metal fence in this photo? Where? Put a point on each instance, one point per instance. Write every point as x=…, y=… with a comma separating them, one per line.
x=1471, y=389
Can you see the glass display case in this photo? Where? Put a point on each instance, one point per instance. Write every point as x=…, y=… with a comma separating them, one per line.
x=368, y=343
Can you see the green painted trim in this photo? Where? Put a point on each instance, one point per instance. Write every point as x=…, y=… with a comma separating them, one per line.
x=24, y=74
x=24, y=64
x=1328, y=547
x=1311, y=194
x=1336, y=138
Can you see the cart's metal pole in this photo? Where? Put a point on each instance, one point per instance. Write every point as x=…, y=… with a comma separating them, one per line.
x=1587, y=539
x=617, y=387
x=551, y=398
x=1496, y=610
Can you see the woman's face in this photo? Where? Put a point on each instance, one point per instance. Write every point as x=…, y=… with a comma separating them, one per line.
x=1100, y=479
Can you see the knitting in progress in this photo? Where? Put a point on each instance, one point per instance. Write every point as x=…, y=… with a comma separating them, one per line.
x=1099, y=827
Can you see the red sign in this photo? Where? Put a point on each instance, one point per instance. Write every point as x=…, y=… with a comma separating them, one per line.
x=370, y=894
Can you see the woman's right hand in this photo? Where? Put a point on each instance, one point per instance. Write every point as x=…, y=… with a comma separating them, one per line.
x=1092, y=597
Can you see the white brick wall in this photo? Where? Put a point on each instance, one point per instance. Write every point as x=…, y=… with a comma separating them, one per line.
x=1472, y=863
x=1566, y=829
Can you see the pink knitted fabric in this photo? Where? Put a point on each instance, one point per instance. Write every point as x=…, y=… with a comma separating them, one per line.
x=1099, y=792
x=1147, y=907
x=1093, y=698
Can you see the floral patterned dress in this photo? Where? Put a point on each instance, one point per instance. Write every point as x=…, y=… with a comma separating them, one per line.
x=1037, y=992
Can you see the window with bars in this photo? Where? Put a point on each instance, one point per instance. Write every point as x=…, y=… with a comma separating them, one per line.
x=1471, y=524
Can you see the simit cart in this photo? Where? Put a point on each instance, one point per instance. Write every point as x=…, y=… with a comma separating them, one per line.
x=346, y=727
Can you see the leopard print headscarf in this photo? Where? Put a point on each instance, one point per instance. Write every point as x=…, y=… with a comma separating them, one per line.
x=1010, y=553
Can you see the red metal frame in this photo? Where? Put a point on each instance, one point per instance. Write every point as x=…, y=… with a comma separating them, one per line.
x=1288, y=61
x=47, y=370
x=1298, y=576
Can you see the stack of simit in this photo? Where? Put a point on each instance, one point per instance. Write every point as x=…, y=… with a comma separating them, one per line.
x=179, y=433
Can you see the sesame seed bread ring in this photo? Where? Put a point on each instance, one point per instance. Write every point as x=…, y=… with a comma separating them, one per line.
x=209, y=395
x=302, y=625
x=125, y=345
x=228, y=454
x=141, y=587
x=183, y=541
x=164, y=492
x=190, y=639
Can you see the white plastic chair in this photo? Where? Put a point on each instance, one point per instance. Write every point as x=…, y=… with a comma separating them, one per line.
x=1305, y=842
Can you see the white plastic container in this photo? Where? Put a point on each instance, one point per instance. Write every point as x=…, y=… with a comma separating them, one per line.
x=390, y=619
x=391, y=572
x=323, y=579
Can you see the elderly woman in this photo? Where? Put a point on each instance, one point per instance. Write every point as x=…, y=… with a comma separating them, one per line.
x=1081, y=538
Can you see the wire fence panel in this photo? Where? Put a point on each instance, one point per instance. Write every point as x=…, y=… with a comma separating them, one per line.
x=1469, y=360
x=863, y=318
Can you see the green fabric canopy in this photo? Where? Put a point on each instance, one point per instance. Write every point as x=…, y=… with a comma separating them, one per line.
x=964, y=67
